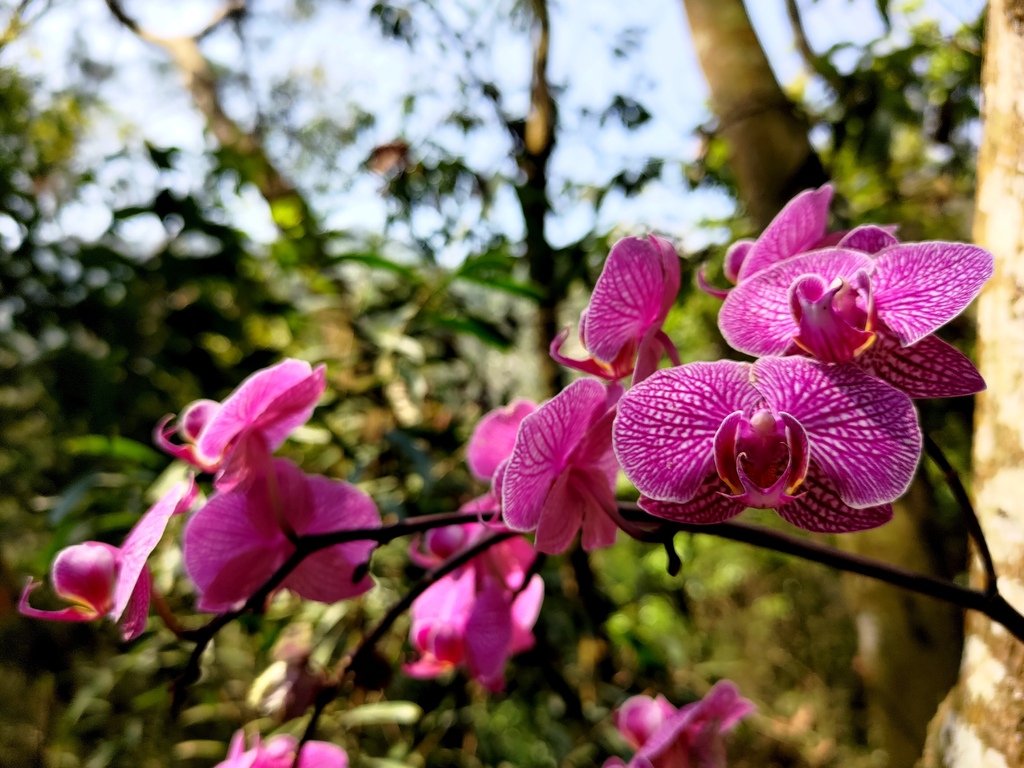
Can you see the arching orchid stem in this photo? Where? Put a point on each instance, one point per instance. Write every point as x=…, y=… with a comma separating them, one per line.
x=304, y=547
x=988, y=603
x=366, y=646
x=956, y=487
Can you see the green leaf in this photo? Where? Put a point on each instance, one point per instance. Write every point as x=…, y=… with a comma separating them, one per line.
x=382, y=713
x=488, y=332
x=120, y=448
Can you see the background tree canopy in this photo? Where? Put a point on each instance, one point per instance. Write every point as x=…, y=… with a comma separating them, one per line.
x=419, y=195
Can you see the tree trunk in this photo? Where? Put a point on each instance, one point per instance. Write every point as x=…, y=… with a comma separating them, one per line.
x=769, y=151
x=908, y=646
x=981, y=723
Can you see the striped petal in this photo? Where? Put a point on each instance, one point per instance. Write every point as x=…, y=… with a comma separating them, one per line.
x=797, y=228
x=665, y=428
x=919, y=287
x=634, y=292
x=929, y=368
x=869, y=238
x=820, y=509
x=863, y=433
x=709, y=506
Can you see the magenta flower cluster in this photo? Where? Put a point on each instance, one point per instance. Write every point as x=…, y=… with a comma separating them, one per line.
x=821, y=427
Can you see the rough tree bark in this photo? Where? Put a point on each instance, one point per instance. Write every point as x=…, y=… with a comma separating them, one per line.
x=770, y=153
x=981, y=723
x=908, y=646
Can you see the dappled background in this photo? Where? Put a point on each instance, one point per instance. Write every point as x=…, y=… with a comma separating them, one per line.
x=420, y=195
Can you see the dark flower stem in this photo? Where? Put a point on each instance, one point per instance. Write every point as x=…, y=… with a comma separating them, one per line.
x=956, y=486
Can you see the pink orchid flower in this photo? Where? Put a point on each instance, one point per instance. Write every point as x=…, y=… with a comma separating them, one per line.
x=103, y=580
x=236, y=541
x=493, y=437
x=279, y=752
x=829, y=447
x=688, y=737
x=802, y=225
x=621, y=326
x=477, y=617
x=878, y=311
x=236, y=437
x=561, y=475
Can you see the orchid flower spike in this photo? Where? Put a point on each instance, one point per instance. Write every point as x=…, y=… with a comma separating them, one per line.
x=239, y=538
x=687, y=737
x=621, y=326
x=235, y=438
x=279, y=752
x=827, y=446
x=878, y=311
x=561, y=475
x=100, y=579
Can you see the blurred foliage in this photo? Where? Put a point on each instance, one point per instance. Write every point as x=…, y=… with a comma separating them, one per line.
x=101, y=335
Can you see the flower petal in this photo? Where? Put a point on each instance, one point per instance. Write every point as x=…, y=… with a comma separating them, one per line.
x=488, y=635
x=560, y=518
x=756, y=316
x=820, y=509
x=707, y=507
x=142, y=540
x=495, y=434
x=133, y=620
x=326, y=576
x=665, y=428
x=863, y=433
x=797, y=228
x=919, y=287
x=929, y=368
x=734, y=258
x=635, y=290
x=525, y=611
x=546, y=440
x=277, y=398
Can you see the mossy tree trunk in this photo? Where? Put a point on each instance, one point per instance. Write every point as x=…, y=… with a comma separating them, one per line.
x=981, y=723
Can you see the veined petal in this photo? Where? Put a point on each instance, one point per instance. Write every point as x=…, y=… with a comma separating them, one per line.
x=929, y=368
x=709, y=506
x=863, y=433
x=493, y=437
x=919, y=287
x=821, y=510
x=869, y=238
x=292, y=408
x=665, y=428
x=797, y=228
x=637, y=285
x=756, y=316
x=142, y=540
x=560, y=518
x=546, y=440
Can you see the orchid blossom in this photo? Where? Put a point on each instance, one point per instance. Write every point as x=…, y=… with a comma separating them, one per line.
x=235, y=438
x=841, y=305
x=239, y=538
x=561, y=475
x=100, y=579
x=688, y=737
x=279, y=752
x=827, y=446
x=621, y=326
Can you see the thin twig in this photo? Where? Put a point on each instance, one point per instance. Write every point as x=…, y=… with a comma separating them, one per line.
x=366, y=646
x=956, y=486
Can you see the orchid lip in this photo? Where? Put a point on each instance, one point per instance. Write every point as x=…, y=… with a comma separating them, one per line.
x=835, y=319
